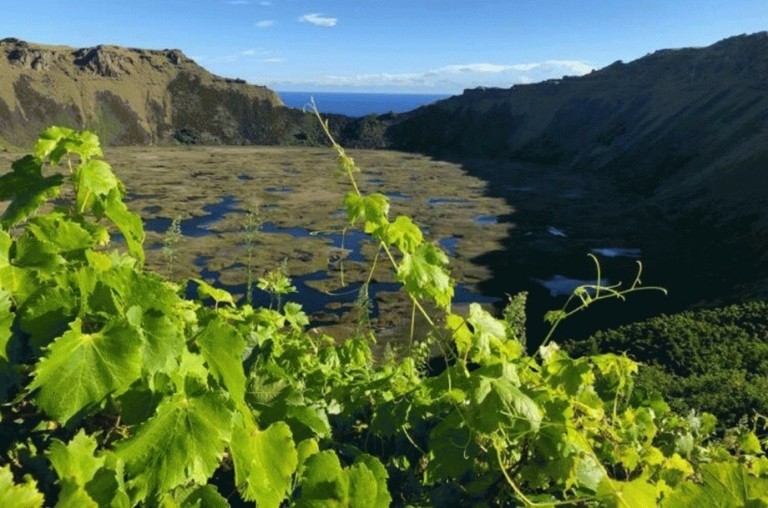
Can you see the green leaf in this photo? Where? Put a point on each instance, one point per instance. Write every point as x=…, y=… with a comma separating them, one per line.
x=404, y=234
x=47, y=313
x=27, y=188
x=163, y=341
x=295, y=316
x=127, y=222
x=305, y=450
x=634, y=494
x=5, y=246
x=568, y=375
x=363, y=488
x=81, y=369
x=8, y=376
x=424, y=275
x=52, y=143
x=376, y=495
x=222, y=347
x=749, y=443
x=450, y=443
x=131, y=287
x=265, y=461
x=488, y=334
x=55, y=142
x=73, y=495
x=56, y=234
x=372, y=210
x=95, y=182
x=76, y=466
x=25, y=495
x=184, y=442
x=497, y=403
x=205, y=290
x=723, y=484
x=204, y=496
x=323, y=482
x=107, y=487
x=76, y=459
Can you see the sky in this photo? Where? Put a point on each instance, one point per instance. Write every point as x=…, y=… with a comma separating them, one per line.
x=392, y=46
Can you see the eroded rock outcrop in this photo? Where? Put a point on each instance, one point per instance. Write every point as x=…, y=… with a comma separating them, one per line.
x=134, y=96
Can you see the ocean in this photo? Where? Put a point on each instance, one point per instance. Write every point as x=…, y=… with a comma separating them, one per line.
x=359, y=104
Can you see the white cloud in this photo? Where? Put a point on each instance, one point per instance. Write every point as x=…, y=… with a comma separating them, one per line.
x=480, y=68
x=249, y=52
x=272, y=60
x=447, y=79
x=265, y=23
x=318, y=20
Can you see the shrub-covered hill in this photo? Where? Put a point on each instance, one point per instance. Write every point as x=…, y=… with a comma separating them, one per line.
x=713, y=360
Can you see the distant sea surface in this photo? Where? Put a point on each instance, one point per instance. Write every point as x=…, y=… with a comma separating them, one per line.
x=359, y=104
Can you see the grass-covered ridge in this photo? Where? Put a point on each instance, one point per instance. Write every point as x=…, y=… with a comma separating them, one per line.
x=118, y=391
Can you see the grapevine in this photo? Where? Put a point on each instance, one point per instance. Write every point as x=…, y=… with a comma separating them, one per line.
x=116, y=390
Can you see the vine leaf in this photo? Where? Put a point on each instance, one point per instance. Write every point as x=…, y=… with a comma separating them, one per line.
x=617, y=494
x=51, y=235
x=488, y=335
x=5, y=249
x=75, y=460
x=184, y=441
x=83, y=368
x=723, y=485
x=377, y=492
x=325, y=483
x=127, y=222
x=205, y=290
x=265, y=461
x=28, y=189
x=25, y=495
x=372, y=210
x=95, y=181
x=404, y=234
x=8, y=376
x=46, y=312
x=163, y=342
x=204, y=496
x=73, y=495
x=56, y=142
x=222, y=347
x=424, y=275
x=498, y=403
x=76, y=466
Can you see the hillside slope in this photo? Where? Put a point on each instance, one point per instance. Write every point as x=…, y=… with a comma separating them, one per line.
x=667, y=154
x=647, y=120
x=133, y=96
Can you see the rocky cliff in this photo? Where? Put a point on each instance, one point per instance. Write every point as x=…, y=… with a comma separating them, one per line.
x=133, y=96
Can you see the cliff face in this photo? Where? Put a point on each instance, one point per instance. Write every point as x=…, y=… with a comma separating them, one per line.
x=132, y=96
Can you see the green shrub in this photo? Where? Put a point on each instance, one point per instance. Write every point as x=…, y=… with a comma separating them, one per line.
x=712, y=360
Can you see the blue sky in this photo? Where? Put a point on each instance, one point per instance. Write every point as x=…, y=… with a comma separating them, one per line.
x=428, y=46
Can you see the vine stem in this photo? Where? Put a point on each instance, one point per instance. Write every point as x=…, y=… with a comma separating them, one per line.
x=348, y=167
x=522, y=497
x=582, y=293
